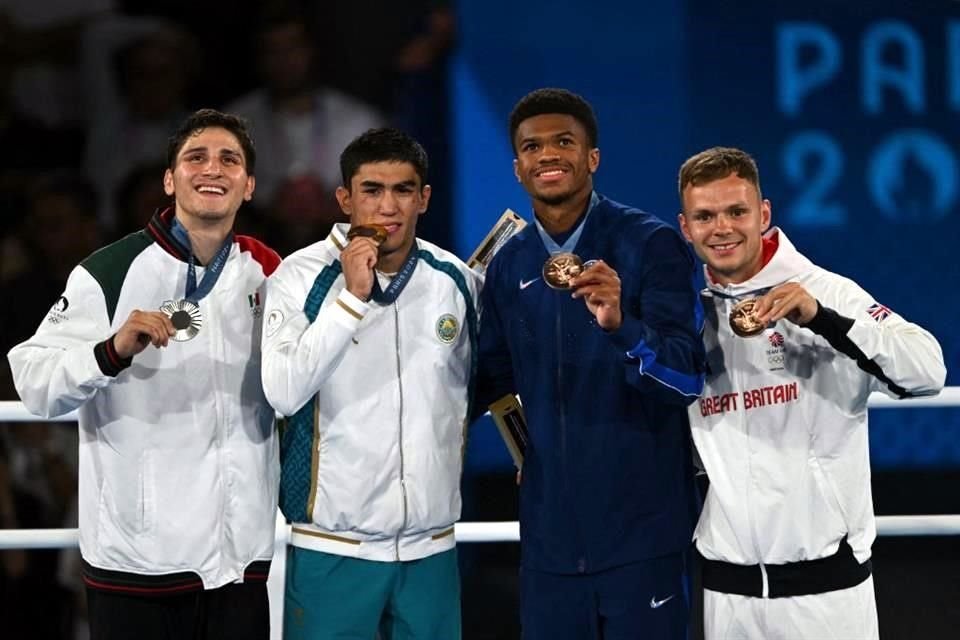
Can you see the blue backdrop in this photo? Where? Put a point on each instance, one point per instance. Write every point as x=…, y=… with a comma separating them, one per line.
x=850, y=109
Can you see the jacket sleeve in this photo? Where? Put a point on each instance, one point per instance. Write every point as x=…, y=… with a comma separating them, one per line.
x=903, y=359
x=71, y=355
x=494, y=368
x=299, y=354
x=662, y=322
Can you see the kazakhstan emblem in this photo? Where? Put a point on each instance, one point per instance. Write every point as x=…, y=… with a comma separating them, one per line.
x=447, y=328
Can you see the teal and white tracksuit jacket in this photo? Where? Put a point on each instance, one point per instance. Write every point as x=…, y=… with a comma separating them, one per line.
x=378, y=401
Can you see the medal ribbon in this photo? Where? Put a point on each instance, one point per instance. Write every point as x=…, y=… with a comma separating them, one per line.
x=756, y=293
x=196, y=293
x=551, y=244
x=400, y=281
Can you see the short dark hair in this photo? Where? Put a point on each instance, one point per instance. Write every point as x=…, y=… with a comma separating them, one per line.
x=717, y=163
x=382, y=145
x=205, y=118
x=544, y=101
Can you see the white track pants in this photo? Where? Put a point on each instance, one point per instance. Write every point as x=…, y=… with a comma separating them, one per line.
x=848, y=614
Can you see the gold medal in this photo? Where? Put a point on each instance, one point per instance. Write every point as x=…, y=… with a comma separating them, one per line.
x=376, y=232
x=744, y=321
x=186, y=318
x=560, y=268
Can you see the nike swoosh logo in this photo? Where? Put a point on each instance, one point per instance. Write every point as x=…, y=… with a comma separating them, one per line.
x=656, y=604
x=524, y=285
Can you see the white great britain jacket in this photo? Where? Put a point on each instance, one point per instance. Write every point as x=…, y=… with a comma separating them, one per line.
x=378, y=401
x=179, y=464
x=781, y=427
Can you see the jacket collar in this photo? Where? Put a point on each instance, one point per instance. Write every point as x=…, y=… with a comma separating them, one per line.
x=338, y=235
x=158, y=228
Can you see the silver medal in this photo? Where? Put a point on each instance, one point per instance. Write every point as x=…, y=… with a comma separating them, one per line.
x=186, y=318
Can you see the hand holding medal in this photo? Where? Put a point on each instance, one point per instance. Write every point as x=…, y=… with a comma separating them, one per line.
x=359, y=258
x=789, y=301
x=595, y=281
x=140, y=329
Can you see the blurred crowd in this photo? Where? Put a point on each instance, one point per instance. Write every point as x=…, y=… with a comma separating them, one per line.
x=89, y=92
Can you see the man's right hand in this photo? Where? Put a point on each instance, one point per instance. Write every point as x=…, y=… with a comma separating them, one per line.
x=140, y=329
x=358, y=260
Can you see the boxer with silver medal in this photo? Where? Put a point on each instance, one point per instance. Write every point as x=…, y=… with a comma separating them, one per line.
x=185, y=313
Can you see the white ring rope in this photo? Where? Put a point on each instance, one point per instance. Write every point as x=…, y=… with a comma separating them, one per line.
x=483, y=532
x=938, y=525
x=14, y=411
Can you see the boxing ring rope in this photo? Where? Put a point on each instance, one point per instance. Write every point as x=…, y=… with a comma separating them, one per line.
x=920, y=525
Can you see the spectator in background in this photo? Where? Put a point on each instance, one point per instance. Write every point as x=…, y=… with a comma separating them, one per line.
x=401, y=68
x=139, y=73
x=300, y=126
x=138, y=197
x=38, y=488
x=59, y=229
x=42, y=39
x=28, y=143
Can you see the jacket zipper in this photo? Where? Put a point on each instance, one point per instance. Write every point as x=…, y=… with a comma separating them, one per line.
x=743, y=347
x=403, y=486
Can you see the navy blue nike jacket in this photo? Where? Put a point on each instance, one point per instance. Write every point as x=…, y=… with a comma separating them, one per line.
x=608, y=474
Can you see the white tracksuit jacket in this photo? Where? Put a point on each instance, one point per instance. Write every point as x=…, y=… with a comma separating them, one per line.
x=178, y=458
x=781, y=428
x=378, y=399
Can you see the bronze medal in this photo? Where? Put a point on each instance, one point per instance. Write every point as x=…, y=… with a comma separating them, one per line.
x=560, y=268
x=743, y=320
x=376, y=232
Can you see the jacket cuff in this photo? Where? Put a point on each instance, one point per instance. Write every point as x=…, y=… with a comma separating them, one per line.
x=828, y=323
x=351, y=308
x=630, y=334
x=111, y=364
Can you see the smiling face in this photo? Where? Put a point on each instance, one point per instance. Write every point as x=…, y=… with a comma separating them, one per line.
x=389, y=194
x=724, y=220
x=554, y=162
x=209, y=179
